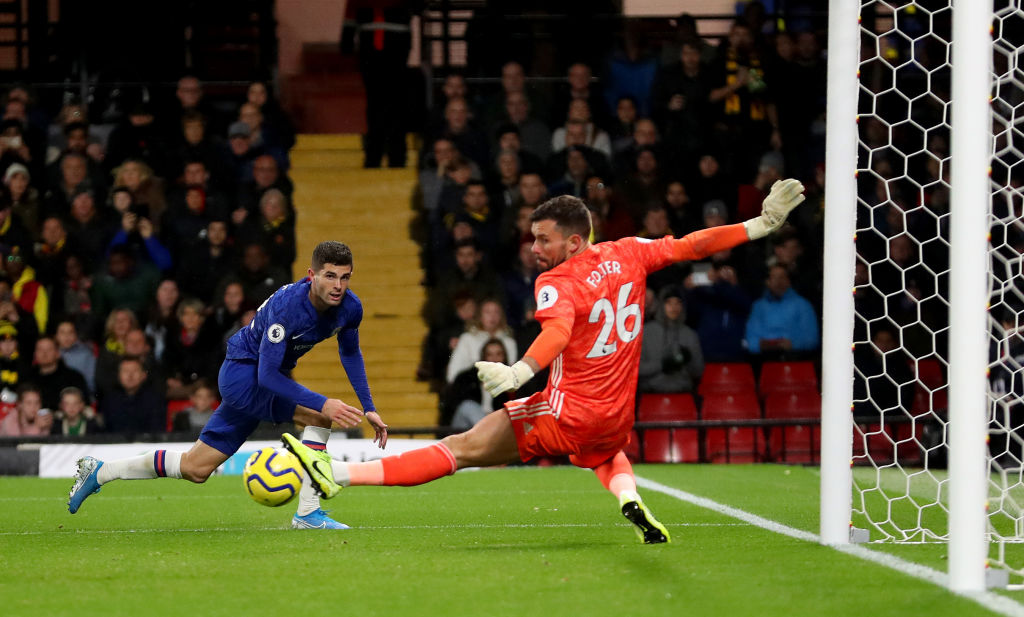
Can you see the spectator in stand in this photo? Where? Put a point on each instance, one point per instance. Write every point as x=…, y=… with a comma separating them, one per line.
x=442, y=337
x=134, y=406
x=75, y=296
x=510, y=140
x=75, y=354
x=683, y=214
x=274, y=116
x=189, y=101
x=434, y=173
x=239, y=155
x=610, y=214
x=185, y=227
x=468, y=139
x=514, y=231
x=29, y=419
x=575, y=138
x=138, y=235
x=477, y=213
x=883, y=381
x=513, y=81
x=620, y=132
x=464, y=401
x=719, y=308
x=203, y=399
x=90, y=230
x=594, y=138
x=518, y=283
x=453, y=87
x=227, y=314
x=13, y=234
x=577, y=170
x=51, y=375
x=681, y=97
x=13, y=366
x=533, y=133
x=191, y=350
x=124, y=283
x=266, y=175
x=263, y=136
x=770, y=170
x=207, y=263
x=50, y=254
x=504, y=186
x=644, y=187
x=686, y=31
x=25, y=203
x=645, y=135
x=655, y=223
x=274, y=229
x=746, y=121
x=75, y=417
x=470, y=276
x=118, y=324
x=195, y=143
x=711, y=182
x=14, y=146
x=257, y=275
x=138, y=139
x=196, y=174
x=162, y=317
x=781, y=323
x=23, y=319
x=384, y=41
x=76, y=141
x=145, y=188
x=579, y=86
x=489, y=322
x=136, y=345
x=74, y=179
x=670, y=357
x=26, y=291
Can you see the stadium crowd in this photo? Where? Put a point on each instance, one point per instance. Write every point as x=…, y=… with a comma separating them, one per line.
x=690, y=136
x=133, y=246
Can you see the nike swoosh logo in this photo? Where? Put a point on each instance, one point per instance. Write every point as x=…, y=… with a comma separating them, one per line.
x=316, y=467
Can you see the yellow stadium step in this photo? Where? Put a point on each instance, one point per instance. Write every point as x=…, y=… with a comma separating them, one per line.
x=370, y=211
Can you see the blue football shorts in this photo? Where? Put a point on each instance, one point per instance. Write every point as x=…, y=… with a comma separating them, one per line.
x=244, y=404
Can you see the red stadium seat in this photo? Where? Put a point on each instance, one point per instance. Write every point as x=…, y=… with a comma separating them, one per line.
x=734, y=444
x=726, y=378
x=669, y=445
x=794, y=444
x=173, y=407
x=666, y=407
x=932, y=391
x=779, y=377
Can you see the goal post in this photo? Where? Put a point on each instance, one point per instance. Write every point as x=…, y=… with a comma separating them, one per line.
x=908, y=208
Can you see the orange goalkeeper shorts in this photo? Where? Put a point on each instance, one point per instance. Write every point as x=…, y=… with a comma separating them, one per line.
x=538, y=434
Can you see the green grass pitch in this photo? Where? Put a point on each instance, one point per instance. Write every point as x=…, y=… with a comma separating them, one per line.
x=517, y=541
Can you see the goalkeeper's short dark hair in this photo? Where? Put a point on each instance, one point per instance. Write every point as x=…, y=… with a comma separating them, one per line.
x=331, y=252
x=569, y=213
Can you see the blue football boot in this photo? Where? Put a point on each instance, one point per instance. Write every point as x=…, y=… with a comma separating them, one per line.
x=85, y=482
x=317, y=519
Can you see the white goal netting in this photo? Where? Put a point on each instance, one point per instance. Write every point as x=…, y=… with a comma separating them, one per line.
x=902, y=280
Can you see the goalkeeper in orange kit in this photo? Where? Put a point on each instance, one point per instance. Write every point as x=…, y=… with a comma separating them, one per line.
x=590, y=302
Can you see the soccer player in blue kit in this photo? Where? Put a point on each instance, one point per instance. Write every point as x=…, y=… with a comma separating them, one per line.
x=254, y=386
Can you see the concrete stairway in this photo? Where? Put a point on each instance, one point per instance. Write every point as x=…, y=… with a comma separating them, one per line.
x=369, y=210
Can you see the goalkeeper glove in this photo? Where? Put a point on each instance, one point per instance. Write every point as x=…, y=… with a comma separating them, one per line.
x=498, y=377
x=784, y=196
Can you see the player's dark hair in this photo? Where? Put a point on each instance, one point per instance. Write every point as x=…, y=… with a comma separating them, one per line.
x=331, y=252
x=569, y=213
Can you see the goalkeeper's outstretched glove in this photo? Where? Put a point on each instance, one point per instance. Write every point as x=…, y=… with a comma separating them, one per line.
x=498, y=377
x=784, y=196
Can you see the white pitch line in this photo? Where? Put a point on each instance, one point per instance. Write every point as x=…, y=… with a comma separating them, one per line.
x=992, y=601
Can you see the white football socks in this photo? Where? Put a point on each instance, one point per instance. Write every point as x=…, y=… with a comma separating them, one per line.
x=156, y=464
x=308, y=500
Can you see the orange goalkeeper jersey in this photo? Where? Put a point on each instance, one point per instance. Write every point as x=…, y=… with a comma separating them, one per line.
x=601, y=292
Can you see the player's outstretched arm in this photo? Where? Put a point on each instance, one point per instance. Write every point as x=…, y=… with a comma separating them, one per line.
x=784, y=196
x=498, y=377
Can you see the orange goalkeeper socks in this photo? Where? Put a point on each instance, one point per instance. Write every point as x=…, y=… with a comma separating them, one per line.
x=616, y=474
x=407, y=469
